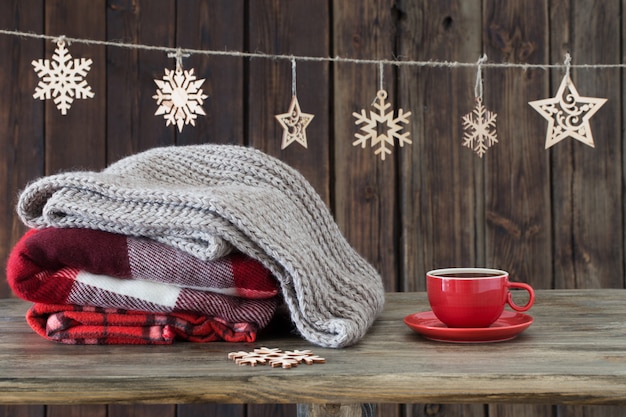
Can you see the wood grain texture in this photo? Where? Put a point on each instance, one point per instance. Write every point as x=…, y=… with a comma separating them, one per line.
x=299, y=27
x=574, y=353
x=441, y=181
x=271, y=410
x=21, y=134
x=216, y=25
x=363, y=183
x=23, y=410
x=553, y=218
x=141, y=410
x=78, y=139
x=336, y=410
x=517, y=203
x=590, y=411
x=21, y=118
x=587, y=208
x=445, y=410
x=131, y=124
x=76, y=411
x=213, y=410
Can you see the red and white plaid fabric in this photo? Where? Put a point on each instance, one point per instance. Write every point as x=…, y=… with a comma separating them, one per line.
x=84, y=267
x=85, y=325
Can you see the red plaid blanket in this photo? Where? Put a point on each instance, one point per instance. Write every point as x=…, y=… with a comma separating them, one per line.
x=84, y=267
x=96, y=325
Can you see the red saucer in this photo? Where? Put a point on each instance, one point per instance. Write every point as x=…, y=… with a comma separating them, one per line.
x=507, y=327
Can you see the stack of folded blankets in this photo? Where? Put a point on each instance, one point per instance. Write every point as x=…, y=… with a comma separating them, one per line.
x=96, y=287
x=198, y=243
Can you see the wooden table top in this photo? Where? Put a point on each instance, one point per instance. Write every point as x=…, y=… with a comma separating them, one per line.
x=574, y=353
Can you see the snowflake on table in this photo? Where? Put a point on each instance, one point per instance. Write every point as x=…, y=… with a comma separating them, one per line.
x=275, y=357
x=390, y=127
x=179, y=97
x=480, y=129
x=62, y=78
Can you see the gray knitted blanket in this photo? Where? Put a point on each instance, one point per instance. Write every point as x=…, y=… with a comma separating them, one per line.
x=208, y=199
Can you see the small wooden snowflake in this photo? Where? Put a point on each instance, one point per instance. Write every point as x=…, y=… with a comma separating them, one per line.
x=63, y=78
x=381, y=128
x=179, y=94
x=275, y=357
x=479, y=127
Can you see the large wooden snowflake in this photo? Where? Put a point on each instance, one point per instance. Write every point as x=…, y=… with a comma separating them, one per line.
x=179, y=97
x=381, y=128
x=275, y=357
x=62, y=79
x=480, y=129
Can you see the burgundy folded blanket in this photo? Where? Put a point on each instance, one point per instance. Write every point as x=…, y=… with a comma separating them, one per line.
x=129, y=276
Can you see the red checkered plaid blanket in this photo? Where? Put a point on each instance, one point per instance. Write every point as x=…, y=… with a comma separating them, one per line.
x=139, y=278
x=85, y=325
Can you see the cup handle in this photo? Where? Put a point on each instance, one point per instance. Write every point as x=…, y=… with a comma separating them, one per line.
x=523, y=286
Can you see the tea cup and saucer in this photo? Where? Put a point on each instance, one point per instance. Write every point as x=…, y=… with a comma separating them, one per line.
x=468, y=306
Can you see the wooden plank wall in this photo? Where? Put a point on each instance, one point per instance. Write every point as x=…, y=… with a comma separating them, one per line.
x=553, y=218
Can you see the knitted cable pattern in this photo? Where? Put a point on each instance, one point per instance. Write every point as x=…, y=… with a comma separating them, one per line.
x=208, y=199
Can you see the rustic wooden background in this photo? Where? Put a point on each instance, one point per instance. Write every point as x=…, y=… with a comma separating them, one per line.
x=553, y=218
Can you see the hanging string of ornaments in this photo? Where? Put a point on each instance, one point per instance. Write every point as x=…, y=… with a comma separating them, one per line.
x=179, y=96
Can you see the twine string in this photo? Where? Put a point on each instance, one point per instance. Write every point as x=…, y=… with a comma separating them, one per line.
x=568, y=64
x=304, y=58
x=62, y=41
x=293, y=77
x=478, y=87
x=179, y=55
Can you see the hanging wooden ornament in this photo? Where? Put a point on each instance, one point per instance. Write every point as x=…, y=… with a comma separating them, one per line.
x=62, y=79
x=381, y=121
x=294, y=122
x=179, y=95
x=567, y=112
x=479, y=125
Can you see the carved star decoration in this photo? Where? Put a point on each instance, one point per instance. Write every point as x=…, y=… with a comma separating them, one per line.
x=294, y=123
x=568, y=114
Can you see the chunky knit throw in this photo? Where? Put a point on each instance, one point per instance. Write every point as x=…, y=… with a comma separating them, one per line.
x=208, y=199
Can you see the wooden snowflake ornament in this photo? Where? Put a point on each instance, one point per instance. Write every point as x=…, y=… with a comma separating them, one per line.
x=381, y=121
x=294, y=124
x=275, y=357
x=479, y=127
x=179, y=95
x=568, y=114
x=62, y=79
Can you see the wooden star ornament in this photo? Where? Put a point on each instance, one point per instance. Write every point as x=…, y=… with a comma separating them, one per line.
x=294, y=123
x=568, y=114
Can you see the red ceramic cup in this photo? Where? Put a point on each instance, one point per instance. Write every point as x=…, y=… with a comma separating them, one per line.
x=472, y=297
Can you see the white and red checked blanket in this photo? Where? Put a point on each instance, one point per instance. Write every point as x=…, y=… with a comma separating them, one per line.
x=85, y=267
